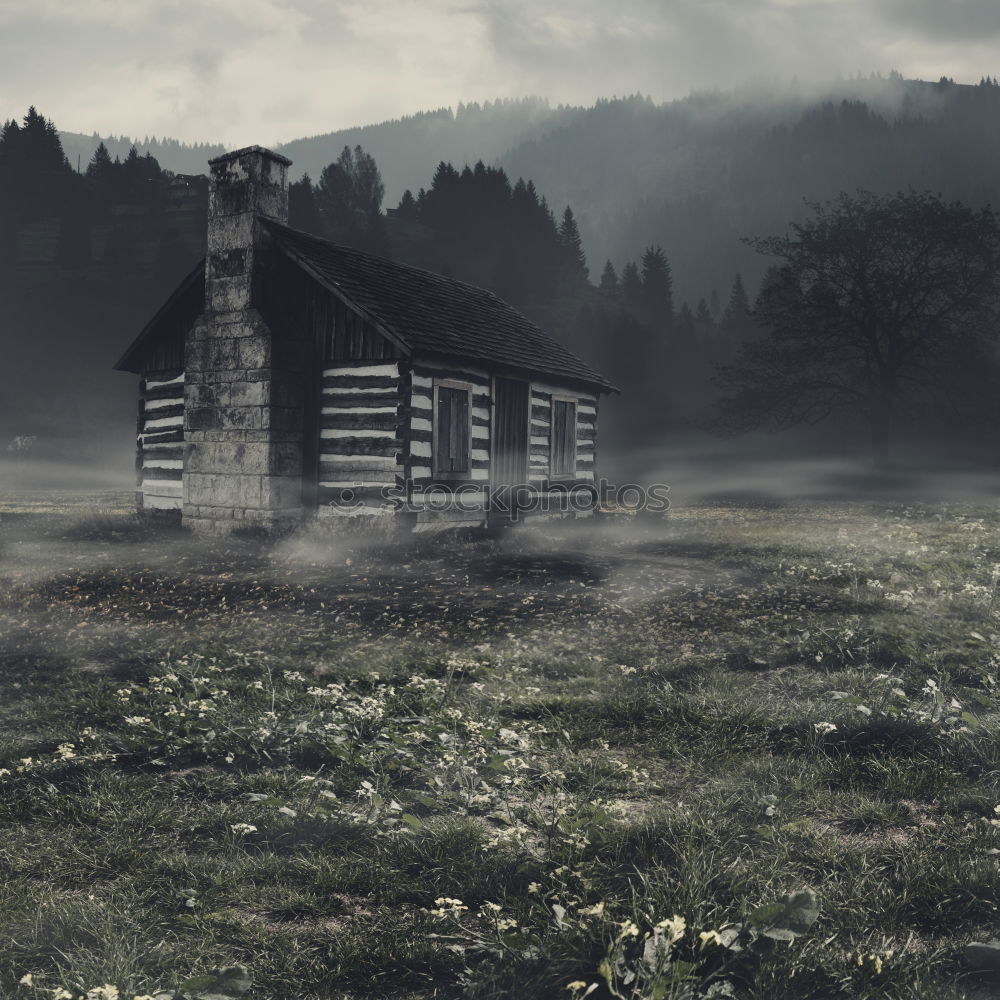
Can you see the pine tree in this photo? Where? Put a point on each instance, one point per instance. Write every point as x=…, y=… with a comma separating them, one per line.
x=100, y=177
x=737, y=311
x=572, y=245
x=100, y=163
x=657, y=286
x=303, y=211
x=631, y=284
x=702, y=314
x=609, y=281
x=407, y=209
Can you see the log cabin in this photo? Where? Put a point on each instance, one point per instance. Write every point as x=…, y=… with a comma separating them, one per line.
x=288, y=377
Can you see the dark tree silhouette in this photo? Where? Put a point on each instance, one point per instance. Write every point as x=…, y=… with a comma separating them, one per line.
x=407, y=209
x=349, y=199
x=874, y=301
x=703, y=315
x=303, y=209
x=737, y=311
x=631, y=284
x=572, y=246
x=657, y=286
x=100, y=165
x=609, y=281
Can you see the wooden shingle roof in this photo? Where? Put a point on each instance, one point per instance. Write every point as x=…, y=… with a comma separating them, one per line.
x=434, y=315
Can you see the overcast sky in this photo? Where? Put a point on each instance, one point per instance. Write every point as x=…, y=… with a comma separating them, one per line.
x=245, y=71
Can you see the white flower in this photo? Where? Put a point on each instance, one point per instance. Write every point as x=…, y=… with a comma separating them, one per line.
x=243, y=828
x=824, y=727
x=26, y=980
x=105, y=992
x=674, y=927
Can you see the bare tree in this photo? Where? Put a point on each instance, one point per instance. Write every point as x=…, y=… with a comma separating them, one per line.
x=874, y=300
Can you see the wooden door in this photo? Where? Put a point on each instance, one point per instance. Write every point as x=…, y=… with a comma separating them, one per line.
x=511, y=422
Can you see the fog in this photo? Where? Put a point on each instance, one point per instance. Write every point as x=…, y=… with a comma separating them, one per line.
x=239, y=73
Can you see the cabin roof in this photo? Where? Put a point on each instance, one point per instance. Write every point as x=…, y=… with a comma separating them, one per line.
x=432, y=314
x=426, y=313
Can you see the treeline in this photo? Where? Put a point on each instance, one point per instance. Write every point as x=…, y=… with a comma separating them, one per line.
x=477, y=225
x=88, y=256
x=172, y=154
x=118, y=217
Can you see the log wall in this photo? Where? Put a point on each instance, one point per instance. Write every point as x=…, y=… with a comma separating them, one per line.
x=361, y=436
x=160, y=459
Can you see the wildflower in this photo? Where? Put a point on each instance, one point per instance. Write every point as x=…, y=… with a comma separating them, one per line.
x=243, y=828
x=534, y=887
x=597, y=910
x=105, y=992
x=136, y=720
x=629, y=929
x=710, y=937
x=492, y=907
x=674, y=927
x=576, y=985
x=822, y=728
x=26, y=980
x=65, y=751
x=60, y=994
x=448, y=907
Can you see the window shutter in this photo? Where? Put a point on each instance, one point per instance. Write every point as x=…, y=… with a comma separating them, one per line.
x=460, y=430
x=563, y=438
x=451, y=430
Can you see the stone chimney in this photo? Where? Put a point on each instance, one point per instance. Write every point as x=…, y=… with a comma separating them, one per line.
x=243, y=398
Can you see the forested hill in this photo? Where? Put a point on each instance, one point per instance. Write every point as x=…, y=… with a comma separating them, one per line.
x=694, y=175
x=178, y=157
x=697, y=175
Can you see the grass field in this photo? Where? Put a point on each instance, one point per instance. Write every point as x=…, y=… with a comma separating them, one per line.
x=740, y=751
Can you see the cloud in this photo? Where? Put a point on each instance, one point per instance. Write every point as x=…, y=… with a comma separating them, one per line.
x=241, y=71
x=943, y=21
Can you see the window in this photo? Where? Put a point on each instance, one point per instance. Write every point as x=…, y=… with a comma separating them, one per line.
x=563, y=437
x=451, y=430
